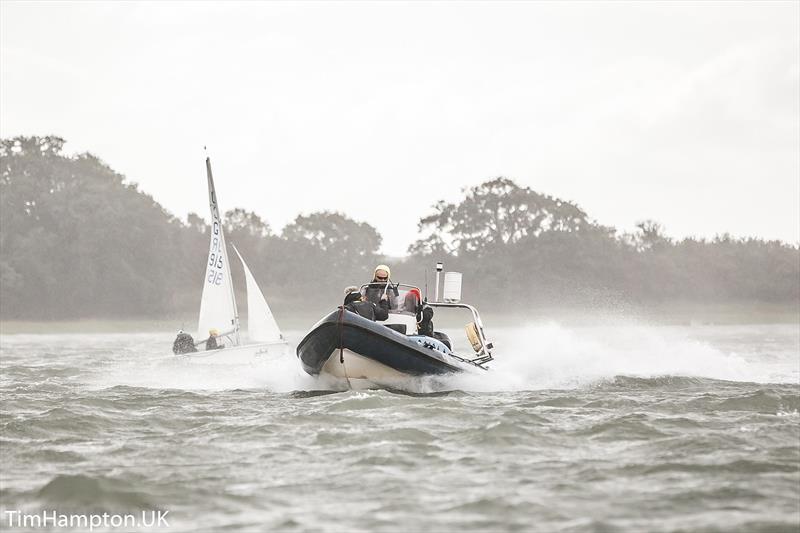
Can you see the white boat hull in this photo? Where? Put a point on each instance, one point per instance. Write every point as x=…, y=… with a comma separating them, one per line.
x=353, y=371
x=357, y=371
x=249, y=353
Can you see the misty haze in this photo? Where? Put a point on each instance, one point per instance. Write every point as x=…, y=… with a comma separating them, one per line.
x=431, y=266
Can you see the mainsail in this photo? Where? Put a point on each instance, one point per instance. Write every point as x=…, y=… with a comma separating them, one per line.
x=218, y=304
x=261, y=325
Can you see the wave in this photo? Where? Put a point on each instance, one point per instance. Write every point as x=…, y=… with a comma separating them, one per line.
x=533, y=357
x=552, y=356
x=91, y=493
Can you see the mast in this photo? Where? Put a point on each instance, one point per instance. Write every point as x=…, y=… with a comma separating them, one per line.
x=212, y=201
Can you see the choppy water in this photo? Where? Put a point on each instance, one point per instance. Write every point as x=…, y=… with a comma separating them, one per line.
x=627, y=428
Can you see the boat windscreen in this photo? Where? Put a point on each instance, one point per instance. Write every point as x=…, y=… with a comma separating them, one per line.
x=402, y=300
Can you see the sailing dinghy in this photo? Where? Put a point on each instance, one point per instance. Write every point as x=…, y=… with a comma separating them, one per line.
x=218, y=309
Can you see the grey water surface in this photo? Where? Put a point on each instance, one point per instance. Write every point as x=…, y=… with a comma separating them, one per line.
x=607, y=428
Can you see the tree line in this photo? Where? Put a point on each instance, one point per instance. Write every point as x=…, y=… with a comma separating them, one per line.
x=77, y=240
x=545, y=250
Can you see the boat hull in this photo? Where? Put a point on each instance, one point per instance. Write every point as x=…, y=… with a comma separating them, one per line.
x=245, y=354
x=346, y=346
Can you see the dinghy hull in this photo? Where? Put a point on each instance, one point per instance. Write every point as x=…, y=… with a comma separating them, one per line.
x=249, y=353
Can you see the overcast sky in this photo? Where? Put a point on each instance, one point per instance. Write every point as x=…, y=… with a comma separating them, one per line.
x=685, y=113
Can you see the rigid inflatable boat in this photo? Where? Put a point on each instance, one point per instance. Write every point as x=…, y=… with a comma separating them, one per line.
x=356, y=351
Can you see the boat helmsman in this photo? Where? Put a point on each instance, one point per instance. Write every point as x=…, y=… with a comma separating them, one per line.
x=211, y=343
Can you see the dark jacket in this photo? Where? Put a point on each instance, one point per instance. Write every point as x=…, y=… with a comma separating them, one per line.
x=184, y=343
x=211, y=344
x=425, y=321
x=375, y=291
x=369, y=310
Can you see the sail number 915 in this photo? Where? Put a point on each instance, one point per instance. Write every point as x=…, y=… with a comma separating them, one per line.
x=215, y=269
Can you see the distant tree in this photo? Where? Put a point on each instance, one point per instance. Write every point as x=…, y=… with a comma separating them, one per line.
x=249, y=233
x=239, y=221
x=326, y=246
x=196, y=223
x=76, y=239
x=495, y=213
x=335, y=234
x=649, y=235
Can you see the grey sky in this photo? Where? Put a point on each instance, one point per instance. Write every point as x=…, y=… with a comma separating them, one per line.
x=685, y=113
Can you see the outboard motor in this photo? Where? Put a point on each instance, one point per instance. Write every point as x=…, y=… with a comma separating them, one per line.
x=444, y=338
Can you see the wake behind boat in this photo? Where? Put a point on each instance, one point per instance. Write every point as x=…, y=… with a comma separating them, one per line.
x=356, y=351
x=218, y=324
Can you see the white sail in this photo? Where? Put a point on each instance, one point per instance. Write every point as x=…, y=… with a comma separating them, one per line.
x=261, y=325
x=218, y=304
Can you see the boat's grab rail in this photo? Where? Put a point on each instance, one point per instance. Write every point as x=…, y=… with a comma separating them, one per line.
x=485, y=353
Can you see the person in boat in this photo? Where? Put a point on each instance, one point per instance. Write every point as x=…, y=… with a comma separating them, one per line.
x=184, y=343
x=357, y=303
x=413, y=303
x=380, y=287
x=211, y=343
x=381, y=274
x=377, y=292
x=424, y=313
x=425, y=321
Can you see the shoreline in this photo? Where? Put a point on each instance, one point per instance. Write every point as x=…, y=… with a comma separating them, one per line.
x=657, y=315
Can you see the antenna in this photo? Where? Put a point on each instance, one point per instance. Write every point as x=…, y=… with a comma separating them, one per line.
x=439, y=268
x=426, y=284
